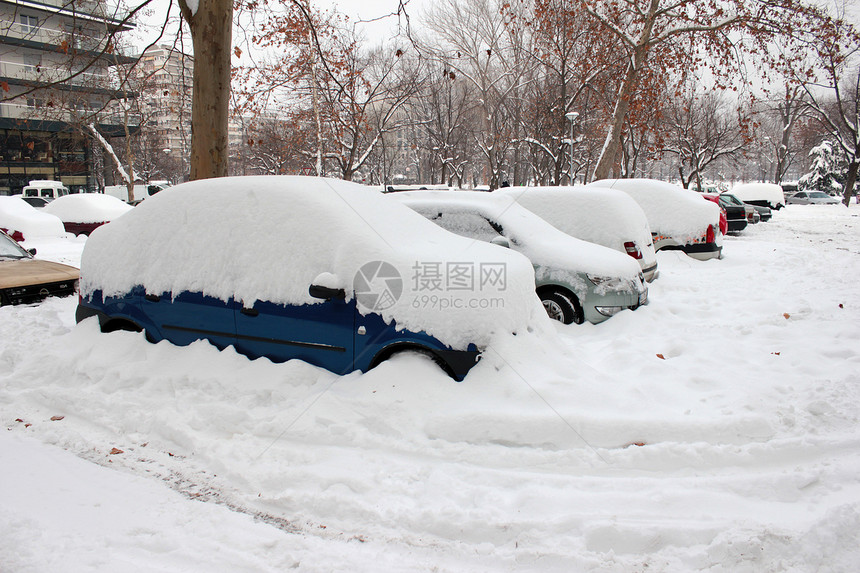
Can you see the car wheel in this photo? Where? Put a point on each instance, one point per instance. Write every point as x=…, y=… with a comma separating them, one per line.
x=559, y=307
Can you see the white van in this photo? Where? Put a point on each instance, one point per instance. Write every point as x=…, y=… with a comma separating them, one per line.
x=141, y=191
x=44, y=188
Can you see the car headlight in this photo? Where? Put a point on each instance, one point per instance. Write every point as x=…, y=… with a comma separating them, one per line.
x=610, y=283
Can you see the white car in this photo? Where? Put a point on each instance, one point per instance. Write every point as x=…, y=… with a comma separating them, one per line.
x=22, y=221
x=763, y=194
x=678, y=217
x=576, y=281
x=604, y=216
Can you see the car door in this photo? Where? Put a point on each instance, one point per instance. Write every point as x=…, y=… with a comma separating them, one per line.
x=191, y=316
x=321, y=333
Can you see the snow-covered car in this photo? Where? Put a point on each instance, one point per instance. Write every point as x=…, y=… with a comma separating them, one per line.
x=22, y=221
x=606, y=217
x=811, y=198
x=25, y=280
x=576, y=280
x=768, y=195
x=679, y=218
x=82, y=213
x=321, y=270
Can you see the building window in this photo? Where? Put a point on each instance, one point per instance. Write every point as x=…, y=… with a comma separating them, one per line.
x=31, y=62
x=29, y=24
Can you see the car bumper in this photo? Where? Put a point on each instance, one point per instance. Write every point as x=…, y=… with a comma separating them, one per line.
x=600, y=307
x=737, y=225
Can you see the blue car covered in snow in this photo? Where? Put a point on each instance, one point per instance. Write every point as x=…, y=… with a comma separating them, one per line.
x=293, y=268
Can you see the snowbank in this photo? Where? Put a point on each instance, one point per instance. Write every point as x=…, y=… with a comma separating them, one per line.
x=687, y=436
x=18, y=215
x=270, y=238
x=671, y=210
x=87, y=208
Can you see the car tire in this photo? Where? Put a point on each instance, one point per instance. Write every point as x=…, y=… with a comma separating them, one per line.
x=559, y=307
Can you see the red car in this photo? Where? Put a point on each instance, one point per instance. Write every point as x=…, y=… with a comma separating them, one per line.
x=724, y=221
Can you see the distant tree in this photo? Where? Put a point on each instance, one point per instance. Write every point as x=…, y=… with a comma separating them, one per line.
x=703, y=127
x=825, y=174
x=684, y=34
x=833, y=93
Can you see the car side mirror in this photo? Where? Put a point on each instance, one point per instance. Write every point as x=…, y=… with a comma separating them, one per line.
x=326, y=293
x=325, y=287
x=32, y=251
x=501, y=241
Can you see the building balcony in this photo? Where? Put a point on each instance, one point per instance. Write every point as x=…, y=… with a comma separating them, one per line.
x=80, y=10
x=83, y=43
x=24, y=117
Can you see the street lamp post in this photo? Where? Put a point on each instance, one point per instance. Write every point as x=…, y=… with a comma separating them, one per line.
x=571, y=117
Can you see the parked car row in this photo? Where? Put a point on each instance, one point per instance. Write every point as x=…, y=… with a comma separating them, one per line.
x=343, y=276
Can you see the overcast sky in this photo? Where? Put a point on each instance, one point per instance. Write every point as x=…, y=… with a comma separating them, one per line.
x=373, y=16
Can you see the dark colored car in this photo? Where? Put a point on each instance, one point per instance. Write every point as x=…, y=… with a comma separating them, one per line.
x=292, y=268
x=25, y=280
x=736, y=215
x=764, y=213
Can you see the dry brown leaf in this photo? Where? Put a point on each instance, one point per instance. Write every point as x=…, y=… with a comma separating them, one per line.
x=115, y=451
x=786, y=315
x=661, y=357
x=56, y=418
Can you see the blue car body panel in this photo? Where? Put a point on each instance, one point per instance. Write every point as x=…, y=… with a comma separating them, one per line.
x=332, y=334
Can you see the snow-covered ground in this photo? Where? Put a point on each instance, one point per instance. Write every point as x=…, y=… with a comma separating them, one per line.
x=715, y=429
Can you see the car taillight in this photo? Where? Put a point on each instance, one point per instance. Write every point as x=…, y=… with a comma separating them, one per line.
x=710, y=237
x=632, y=250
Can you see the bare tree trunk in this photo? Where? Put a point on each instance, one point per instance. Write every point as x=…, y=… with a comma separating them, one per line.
x=606, y=161
x=850, y=180
x=212, y=36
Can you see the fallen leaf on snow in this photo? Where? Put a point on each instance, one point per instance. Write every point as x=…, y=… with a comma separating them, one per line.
x=56, y=418
x=114, y=451
x=786, y=315
x=661, y=357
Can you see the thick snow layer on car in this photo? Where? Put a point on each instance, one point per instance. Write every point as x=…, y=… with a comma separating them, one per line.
x=542, y=243
x=17, y=215
x=87, y=208
x=270, y=238
x=603, y=216
x=671, y=210
x=770, y=192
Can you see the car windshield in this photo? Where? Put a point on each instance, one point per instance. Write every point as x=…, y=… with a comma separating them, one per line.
x=463, y=223
x=731, y=199
x=9, y=249
x=819, y=195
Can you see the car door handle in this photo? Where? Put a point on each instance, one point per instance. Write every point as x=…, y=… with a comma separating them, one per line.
x=250, y=311
x=152, y=298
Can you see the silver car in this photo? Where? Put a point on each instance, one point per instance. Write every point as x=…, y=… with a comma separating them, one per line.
x=576, y=281
x=811, y=198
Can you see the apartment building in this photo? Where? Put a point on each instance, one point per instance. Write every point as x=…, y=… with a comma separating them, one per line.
x=56, y=62
x=165, y=76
